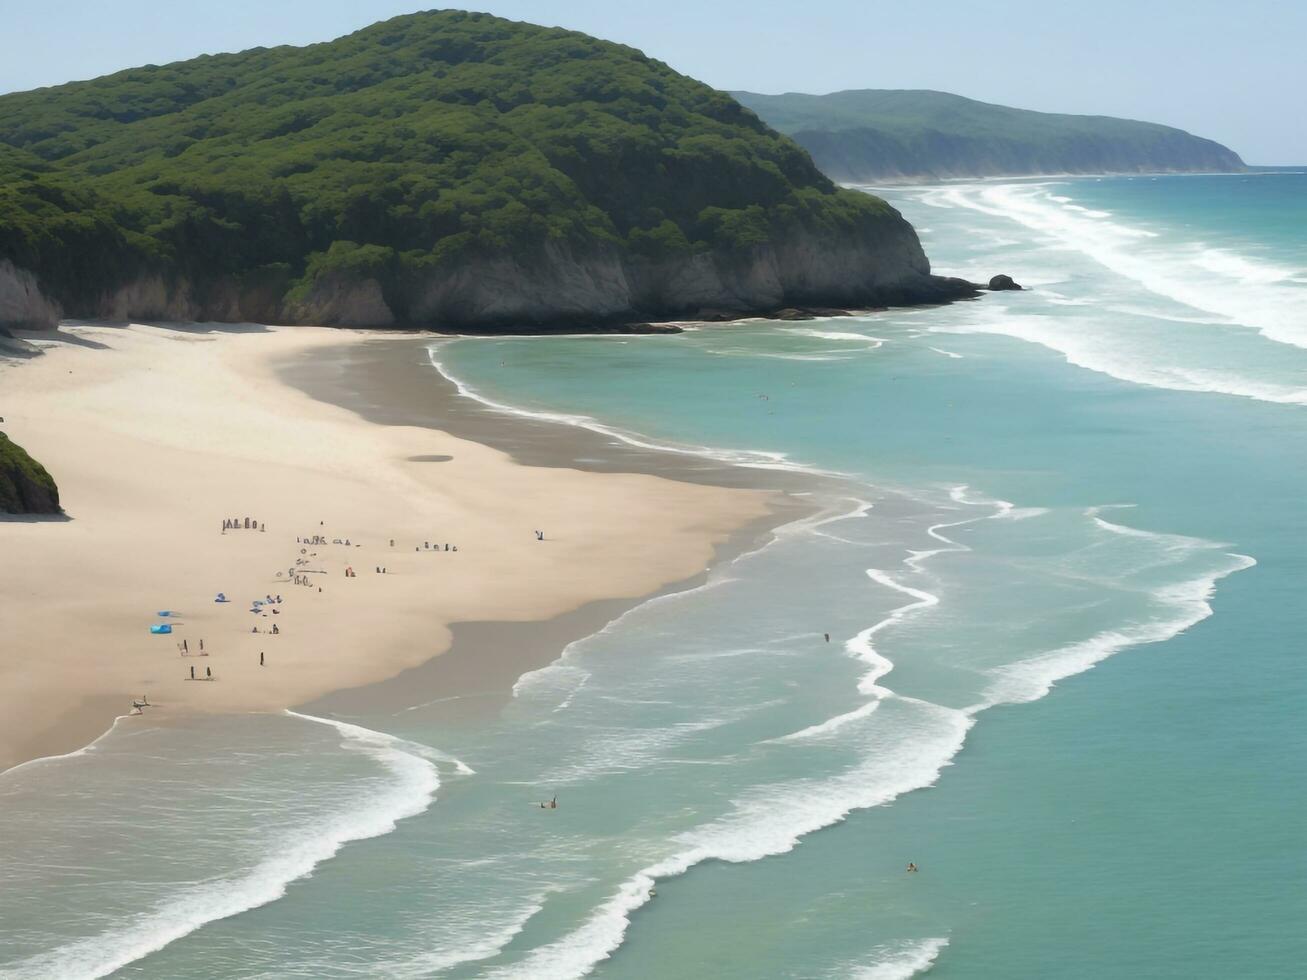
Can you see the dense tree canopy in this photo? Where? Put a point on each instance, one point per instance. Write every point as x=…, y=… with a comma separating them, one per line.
x=406, y=145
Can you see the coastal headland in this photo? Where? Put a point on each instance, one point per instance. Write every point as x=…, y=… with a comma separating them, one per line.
x=456, y=171
x=159, y=435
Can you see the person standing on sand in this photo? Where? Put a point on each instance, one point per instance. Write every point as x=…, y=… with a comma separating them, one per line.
x=208, y=674
x=260, y=658
x=192, y=671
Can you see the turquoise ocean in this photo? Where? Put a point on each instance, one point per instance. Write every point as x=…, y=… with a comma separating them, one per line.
x=1059, y=541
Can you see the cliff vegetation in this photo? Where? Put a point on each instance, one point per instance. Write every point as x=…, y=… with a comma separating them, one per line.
x=359, y=178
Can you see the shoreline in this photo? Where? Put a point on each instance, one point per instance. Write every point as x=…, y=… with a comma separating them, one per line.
x=395, y=382
x=113, y=402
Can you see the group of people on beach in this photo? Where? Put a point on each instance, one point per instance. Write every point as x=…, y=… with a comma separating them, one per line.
x=318, y=539
x=241, y=523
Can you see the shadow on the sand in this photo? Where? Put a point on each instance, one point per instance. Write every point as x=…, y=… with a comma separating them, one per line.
x=59, y=518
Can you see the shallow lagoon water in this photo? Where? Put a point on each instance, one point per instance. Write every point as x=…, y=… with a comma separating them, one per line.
x=1030, y=485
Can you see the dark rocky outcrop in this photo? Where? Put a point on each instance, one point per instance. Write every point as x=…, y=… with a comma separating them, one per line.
x=1002, y=282
x=25, y=486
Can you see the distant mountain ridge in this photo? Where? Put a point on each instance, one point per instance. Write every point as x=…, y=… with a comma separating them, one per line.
x=444, y=169
x=869, y=135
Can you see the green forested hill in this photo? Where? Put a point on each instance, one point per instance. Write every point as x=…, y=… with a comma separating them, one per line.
x=875, y=134
x=394, y=153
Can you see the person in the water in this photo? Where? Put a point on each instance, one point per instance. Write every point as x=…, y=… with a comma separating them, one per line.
x=911, y=866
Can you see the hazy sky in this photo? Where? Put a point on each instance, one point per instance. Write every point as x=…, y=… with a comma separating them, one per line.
x=1234, y=72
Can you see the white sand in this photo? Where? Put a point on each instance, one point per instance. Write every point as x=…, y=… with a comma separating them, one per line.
x=154, y=440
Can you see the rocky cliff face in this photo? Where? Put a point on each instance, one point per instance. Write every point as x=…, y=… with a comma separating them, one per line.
x=22, y=304
x=880, y=265
x=334, y=301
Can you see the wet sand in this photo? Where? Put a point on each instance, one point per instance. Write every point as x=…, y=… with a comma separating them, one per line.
x=391, y=381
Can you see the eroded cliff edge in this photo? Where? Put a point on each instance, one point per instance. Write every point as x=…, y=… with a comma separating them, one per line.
x=442, y=169
x=556, y=286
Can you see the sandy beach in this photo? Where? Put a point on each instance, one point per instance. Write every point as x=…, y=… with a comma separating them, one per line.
x=157, y=434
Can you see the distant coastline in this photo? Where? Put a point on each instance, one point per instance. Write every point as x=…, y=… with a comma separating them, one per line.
x=888, y=136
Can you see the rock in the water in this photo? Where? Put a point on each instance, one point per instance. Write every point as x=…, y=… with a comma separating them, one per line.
x=1003, y=282
x=25, y=486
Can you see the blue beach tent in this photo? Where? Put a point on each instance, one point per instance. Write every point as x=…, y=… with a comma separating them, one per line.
x=161, y=628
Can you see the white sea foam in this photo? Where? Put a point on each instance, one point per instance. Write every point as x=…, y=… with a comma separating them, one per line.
x=1242, y=289
x=947, y=353
x=480, y=940
x=896, y=962
x=861, y=646
x=84, y=750
x=562, y=676
x=771, y=819
x=1186, y=604
x=193, y=906
x=1105, y=353
x=837, y=335
x=768, y=821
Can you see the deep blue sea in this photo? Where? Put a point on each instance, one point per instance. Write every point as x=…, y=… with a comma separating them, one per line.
x=1058, y=542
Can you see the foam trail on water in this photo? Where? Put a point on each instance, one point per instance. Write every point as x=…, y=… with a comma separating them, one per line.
x=484, y=940
x=1212, y=280
x=897, y=963
x=862, y=647
x=84, y=750
x=563, y=674
x=199, y=903
x=1187, y=603
x=906, y=753
x=771, y=819
x=870, y=341
x=1106, y=353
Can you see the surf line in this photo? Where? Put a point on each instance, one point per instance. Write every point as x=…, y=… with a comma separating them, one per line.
x=84, y=750
x=578, y=952
x=861, y=647
x=196, y=904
